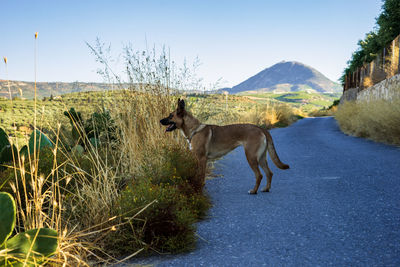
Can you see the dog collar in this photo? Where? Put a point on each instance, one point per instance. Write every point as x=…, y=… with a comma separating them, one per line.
x=198, y=129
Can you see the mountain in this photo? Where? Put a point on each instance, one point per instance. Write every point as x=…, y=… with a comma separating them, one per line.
x=288, y=76
x=47, y=88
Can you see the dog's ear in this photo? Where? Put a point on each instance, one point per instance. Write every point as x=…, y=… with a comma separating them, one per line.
x=181, y=106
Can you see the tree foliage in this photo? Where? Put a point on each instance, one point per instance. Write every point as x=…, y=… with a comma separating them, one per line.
x=386, y=29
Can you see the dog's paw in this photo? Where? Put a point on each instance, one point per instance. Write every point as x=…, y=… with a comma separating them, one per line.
x=265, y=190
x=252, y=192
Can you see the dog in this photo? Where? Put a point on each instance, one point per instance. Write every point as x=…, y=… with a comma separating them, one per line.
x=212, y=142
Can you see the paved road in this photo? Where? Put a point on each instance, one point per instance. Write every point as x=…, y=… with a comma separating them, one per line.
x=339, y=204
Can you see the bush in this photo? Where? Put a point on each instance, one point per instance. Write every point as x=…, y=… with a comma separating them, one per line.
x=272, y=115
x=167, y=225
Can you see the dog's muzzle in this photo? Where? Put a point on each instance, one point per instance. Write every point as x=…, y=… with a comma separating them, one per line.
x=171, y=125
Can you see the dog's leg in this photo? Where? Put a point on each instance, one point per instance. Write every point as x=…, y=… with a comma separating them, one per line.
x=201, y=157
x=201, y=175
x=268, y=172
x=253, y=162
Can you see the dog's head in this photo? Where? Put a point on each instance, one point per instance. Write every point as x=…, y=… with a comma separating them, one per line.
x=175, y=119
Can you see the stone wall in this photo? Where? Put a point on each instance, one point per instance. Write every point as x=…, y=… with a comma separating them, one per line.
x=388, y=89
x=349, y=95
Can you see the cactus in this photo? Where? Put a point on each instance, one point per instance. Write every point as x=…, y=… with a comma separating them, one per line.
x=41, y=141
x=24, y=151
x=94, y=141
x=75, y=118
x=97, y=129
x=37, y=243
x=78, y=149
x=27, y=248
x=3, y=139
x=6, y=154
x=7, y=216
x=100, y=125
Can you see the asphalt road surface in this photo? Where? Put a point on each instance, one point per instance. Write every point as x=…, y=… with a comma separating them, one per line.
x=338, y=204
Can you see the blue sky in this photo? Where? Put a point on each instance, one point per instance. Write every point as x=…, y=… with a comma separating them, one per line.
x=233, y=39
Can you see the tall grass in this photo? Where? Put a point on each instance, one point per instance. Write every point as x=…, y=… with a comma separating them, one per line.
x=378, y=120
x=127, y=194
x=117, y=192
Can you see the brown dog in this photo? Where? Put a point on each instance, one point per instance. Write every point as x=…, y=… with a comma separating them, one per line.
x=212, y=141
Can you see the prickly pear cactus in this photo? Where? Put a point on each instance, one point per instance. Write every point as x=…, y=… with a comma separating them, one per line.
x=94, y=141
x=6, y=154
x=24, y=151
x=38, y=243
x=41, y=141
x=30, y=248
x=77, y=123
x=7, y=216
x=78, y=149
x=73, y=115
x=3, y=139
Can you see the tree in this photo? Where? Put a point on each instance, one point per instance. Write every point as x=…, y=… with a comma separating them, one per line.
x=386, y=29
x=389, y=22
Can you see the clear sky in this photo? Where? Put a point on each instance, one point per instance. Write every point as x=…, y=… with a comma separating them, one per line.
x=233, y=39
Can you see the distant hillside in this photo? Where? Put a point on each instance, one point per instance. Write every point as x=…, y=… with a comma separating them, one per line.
x=288, y=76
x=48, y=88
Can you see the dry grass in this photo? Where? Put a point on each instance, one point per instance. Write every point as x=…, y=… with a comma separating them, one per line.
x=214, y=110
x=271, y=115
x=324, y=112
x=79, y=195
x=378, y=120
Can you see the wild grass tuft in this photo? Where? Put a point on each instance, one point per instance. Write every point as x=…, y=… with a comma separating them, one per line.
x=377, y=120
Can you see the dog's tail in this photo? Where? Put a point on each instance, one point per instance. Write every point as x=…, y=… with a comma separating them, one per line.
x=272, y=152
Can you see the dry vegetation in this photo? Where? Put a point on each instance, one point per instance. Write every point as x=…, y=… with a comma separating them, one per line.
x=131, y=190
x=127, y=192
x=378, y=120
x=330, y=111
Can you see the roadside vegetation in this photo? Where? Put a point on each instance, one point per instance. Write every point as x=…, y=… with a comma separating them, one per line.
x=99, y=169
x=329, y=111
x=387, y=27
x=376, y=120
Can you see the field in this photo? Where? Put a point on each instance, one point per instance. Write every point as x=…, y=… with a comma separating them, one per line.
x=17, y=116
x=212, y=109
x=306, y=102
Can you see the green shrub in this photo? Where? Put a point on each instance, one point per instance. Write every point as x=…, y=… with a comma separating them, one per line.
x=172, y=166
x=168, y=224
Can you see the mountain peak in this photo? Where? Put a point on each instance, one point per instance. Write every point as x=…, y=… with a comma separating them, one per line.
x=288, y=76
